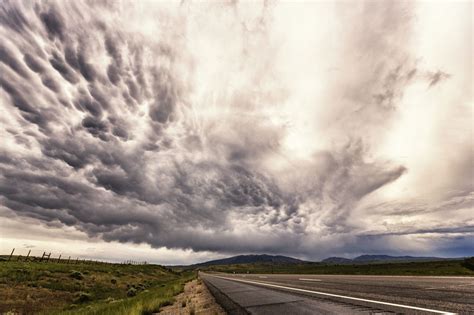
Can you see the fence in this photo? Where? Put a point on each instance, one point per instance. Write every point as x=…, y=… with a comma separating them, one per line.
x=46, y=258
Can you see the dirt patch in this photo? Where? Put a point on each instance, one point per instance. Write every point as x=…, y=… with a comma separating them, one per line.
x=196, y=299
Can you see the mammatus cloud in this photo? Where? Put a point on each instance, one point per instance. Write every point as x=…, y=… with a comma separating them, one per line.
x=214, y=128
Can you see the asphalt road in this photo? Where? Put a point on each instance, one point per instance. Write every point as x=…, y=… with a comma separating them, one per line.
x=339, y=294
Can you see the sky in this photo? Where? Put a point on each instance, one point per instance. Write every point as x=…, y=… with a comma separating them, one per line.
x=177, y=132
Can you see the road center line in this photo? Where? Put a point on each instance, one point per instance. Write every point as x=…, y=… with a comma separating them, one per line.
x=336, y=295
x=307, y=279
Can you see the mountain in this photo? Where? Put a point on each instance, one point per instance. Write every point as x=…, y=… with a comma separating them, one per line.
x=364, y=259
x=370, y=258
x=337, y=260
x=250, y=259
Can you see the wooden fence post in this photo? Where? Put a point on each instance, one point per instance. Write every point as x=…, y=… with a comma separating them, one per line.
x=68, y=260
x=44, y=253
x=49, y=256
x=27, y=256
x=59, y=259
x=11, y=255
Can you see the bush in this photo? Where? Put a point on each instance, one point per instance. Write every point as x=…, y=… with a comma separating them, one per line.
x=113, y=281
x=183, y=304
x=131, y=292
x=76, y=275
x=469, y=263
x=83, y=297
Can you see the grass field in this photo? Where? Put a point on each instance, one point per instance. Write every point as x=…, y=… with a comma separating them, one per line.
x=459, y=267
x=56, y=288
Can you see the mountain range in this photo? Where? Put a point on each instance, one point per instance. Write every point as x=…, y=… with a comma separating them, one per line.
x=364, y=259
x=278, y=259
x=250, y=259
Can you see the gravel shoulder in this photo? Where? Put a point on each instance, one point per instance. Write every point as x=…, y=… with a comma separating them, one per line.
x=196, y=299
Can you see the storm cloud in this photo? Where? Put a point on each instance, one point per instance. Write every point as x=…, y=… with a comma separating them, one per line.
x=231, y=128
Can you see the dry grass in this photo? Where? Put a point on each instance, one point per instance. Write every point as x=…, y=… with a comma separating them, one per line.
x=33, y=287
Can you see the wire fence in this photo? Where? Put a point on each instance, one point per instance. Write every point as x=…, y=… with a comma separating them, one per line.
x=61, y=259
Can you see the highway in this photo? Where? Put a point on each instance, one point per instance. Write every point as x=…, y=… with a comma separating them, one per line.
x=343, y=294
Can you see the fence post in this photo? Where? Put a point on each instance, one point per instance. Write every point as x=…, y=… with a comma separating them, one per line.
x=44, y=253
x=68, y=260
x=11, y=255
x=49, y=256
x=27, y=256
x=59, y=259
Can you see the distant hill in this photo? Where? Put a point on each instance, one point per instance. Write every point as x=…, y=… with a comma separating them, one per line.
x=364, y=259
x=285, y=260
x=337, y=260
x=250, y=259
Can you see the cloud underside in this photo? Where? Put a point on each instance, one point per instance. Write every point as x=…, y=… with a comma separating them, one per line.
x=136, y=131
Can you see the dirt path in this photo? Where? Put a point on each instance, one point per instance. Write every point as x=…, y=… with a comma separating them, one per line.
x=196, y=299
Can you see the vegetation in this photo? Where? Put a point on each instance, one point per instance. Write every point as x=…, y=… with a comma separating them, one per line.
x=469, y=263
x=458, y=267
x=57, y=288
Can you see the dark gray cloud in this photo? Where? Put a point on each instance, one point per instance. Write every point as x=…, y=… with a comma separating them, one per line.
x=436, y=77
x=109, y=130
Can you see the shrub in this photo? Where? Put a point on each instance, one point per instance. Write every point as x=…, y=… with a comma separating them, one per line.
x=113, y=281
x=76, y=275
x=83, y=297
x=469, y=263
x=131, y=292
x=183, y=304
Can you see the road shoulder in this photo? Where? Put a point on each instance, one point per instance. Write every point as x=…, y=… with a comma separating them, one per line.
x=196, y=299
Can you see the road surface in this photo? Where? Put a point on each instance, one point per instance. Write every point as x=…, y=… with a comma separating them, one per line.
x=341, y=294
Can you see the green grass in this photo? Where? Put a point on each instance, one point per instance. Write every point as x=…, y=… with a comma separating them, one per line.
x=57, y=288
x=426, y=268
x=147, y=302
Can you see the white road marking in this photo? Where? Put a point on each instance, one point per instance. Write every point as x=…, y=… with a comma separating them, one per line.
x=263, y=277
x=338, y=296
x=307, y=279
